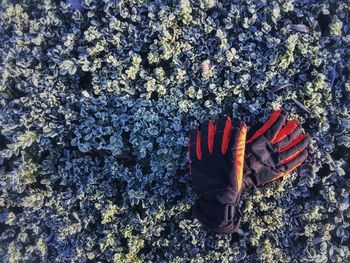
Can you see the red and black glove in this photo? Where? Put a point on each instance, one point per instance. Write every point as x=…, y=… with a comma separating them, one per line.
x=216, y=164
x=275, y=150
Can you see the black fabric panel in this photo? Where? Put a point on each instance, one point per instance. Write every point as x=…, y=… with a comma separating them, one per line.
x=218, y=211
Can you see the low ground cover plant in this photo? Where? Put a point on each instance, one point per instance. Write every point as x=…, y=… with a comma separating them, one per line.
x=96, y=102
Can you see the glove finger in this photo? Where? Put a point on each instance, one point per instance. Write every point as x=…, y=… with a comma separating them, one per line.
x=235, y=151
x=270, y=124
x=276, y=126
x=286, y=130
x=193, y=145
x=207, y=136
x=238, y=131
x=296, y=161
x=292, y=165
x=222, y=134
x=294, y=148
x=288, y=138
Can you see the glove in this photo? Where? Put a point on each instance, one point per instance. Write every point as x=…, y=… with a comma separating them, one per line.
x=275, y=150
x=216, y=165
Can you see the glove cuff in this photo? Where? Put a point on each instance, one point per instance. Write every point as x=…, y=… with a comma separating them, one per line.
x=218, y=210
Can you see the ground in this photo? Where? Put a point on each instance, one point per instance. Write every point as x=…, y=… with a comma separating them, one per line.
x=97, y=99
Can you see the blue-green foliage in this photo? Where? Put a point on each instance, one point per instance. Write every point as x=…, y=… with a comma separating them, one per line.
x=96, y=102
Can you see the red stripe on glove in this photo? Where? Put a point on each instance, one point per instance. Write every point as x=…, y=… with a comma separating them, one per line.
x=266, y=126
x=198, y=146
x=296, y=141
x=285, y=131
x=211, y=132
x=226, y=135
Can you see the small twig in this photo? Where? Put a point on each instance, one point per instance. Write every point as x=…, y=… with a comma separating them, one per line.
x=302, y=106
x=279, y=87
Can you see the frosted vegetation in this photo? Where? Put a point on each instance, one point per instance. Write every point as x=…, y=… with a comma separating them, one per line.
x=96, y=102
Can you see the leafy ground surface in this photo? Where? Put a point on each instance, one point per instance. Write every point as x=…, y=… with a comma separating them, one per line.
x=97, y=99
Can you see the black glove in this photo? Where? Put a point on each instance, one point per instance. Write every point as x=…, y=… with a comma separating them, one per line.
x=275, y=150
x=216, y=165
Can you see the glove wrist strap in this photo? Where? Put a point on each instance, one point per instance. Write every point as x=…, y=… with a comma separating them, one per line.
x=218, y=210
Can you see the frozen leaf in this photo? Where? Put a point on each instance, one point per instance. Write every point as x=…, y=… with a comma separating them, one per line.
x=301, y=28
